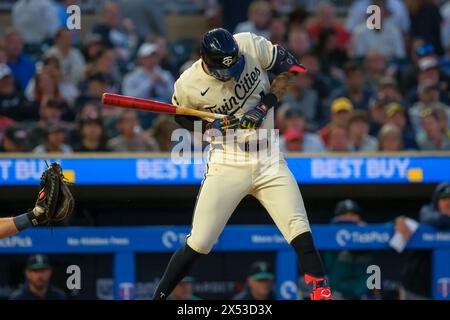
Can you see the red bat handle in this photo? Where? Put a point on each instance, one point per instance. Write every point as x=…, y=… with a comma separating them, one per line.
x=137, y=103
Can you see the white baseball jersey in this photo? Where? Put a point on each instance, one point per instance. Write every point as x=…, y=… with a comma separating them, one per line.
x=198, y=90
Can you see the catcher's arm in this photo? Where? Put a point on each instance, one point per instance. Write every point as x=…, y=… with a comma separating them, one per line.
x=11, y=226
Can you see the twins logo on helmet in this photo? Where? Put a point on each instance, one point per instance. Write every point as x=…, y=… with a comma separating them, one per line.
x=227, y=61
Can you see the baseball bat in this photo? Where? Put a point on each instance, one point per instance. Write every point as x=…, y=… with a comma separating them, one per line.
x=127, y=102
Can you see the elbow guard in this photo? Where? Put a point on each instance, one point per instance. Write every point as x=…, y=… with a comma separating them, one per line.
x=286, y=62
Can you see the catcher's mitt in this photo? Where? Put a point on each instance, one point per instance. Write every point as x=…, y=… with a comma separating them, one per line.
x=55, y=201
x=281, y=84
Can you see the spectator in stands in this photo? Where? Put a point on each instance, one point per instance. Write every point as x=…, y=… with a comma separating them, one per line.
x=104, y=61
x=183, y=291
x=338, y=140
x=390, y=139
x=92, y=135
x=295, y=140
x=12, y=102
x=375, y=68
x=428, y=70
x=396, y=115
x=38, y=273
x=92, y=44
x=443, y=121
x=326, y=19
x=347, y=269
x=432, y=138
x=117, y=33
x=388, y=39
x=298, y=42
x=22, y=67
x=92, y=90
x=377, y=113
x=278, y=31
x=259, y=284
x=37, y=20
x=48, y=82
x=354, y=88
x=302, y=97
x=259, y=15
x=50, y=113
x=426, y=22
x=358, y=131
x=357, y=14
x=147, y=15
x=54, y=137
x=340, y=112
x=131, y=138
x=161, y=132
x=71, y=60
x=428, y=92
x=148, y=80
x=15, y=139
x=418, y=262
x=320, y=82
x=332, y=56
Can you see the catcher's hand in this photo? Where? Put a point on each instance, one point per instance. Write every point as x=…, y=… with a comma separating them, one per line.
x=55, y=201
x=281, y=84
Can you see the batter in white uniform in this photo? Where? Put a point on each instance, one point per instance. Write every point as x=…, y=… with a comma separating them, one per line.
x=231, y=78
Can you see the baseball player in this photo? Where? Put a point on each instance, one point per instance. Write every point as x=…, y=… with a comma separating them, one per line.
x=54, y=203
x=232, y=78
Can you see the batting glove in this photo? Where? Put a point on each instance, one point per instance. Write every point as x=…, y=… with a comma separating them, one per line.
x=227, y=122
x=253, y=119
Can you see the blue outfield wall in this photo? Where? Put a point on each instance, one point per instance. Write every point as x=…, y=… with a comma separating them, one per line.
x=125, y=242
x=161, y=170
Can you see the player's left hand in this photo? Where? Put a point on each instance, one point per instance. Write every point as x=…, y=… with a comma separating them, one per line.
x=253, y=119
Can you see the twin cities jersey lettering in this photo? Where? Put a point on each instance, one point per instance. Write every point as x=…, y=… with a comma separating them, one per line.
x=198, y=90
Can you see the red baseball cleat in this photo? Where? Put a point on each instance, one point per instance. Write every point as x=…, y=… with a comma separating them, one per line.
x=320, y=289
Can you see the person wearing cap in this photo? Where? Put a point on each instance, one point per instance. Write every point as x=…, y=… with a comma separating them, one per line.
x=54, y=137
x=92, y=134
x=428, y=93
x=259, y=285
x=38, y=273
x=358, y=132
x=148, y=80
x=428, y=69
x=395, y=114
x=415, y=286
x=15, y=139
x=340, y=112
x=432, y=137
x=13, y=103
x=296, y=138
x=183, y=291
x=348, y=268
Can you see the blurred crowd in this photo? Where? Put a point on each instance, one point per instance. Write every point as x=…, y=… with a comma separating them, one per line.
x=366, y=90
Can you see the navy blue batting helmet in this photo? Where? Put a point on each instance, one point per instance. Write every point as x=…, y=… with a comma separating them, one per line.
x=220, y=52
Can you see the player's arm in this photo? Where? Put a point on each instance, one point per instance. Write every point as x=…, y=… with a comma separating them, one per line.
x=188, y=122
x=11, y=226
x=279, y=61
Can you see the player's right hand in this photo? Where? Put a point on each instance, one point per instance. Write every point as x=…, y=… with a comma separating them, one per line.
x=227, y=122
